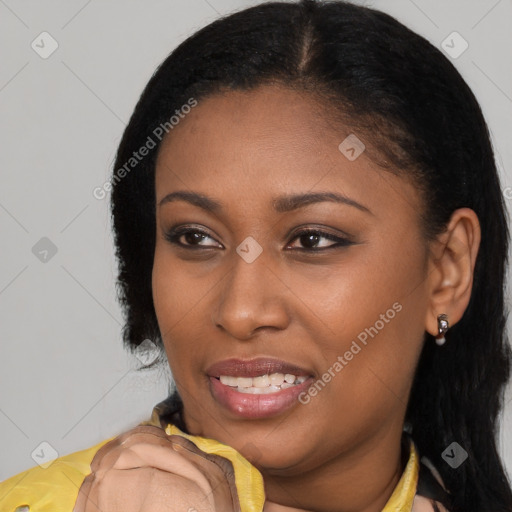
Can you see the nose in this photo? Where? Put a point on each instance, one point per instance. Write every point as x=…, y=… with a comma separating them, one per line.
x=251, y=298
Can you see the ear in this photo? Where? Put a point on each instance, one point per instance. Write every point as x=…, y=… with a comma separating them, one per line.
x=451, y=268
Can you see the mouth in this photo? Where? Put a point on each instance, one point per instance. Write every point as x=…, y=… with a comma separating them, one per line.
x=257, y=388
x=263, y=384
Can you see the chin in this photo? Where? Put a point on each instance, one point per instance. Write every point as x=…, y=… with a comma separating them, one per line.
x=271, y=461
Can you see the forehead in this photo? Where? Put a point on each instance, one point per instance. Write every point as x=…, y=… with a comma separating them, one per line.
x=269, y=141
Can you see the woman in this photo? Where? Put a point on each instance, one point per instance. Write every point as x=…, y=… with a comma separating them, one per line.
x=308, y=220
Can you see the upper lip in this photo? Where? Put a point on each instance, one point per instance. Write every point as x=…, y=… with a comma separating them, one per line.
x=254, y=367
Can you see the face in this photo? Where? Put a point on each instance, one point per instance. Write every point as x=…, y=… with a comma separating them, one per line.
x=257, y=288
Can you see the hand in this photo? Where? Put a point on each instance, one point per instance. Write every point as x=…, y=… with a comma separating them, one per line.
x=145, y=470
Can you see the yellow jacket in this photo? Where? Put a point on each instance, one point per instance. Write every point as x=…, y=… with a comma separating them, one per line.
x=231, y=483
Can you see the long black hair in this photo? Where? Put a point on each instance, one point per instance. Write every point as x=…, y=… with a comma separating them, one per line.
x=420, y=119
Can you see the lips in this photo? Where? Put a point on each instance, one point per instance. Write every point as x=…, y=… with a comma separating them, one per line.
x=255, y=367
x=269, y=400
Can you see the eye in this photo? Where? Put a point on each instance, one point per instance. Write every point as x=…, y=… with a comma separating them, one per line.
x=192, y=236
x=188, y=237
x=311, y=237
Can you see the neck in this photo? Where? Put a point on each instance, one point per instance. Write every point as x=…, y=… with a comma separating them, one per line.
x=361, y=481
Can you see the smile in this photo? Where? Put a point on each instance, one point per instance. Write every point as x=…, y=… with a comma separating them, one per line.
x=257, y=388
x=262, y=384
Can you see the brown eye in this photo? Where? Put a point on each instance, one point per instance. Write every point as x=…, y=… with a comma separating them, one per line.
x=186, y=237
x=311, y=238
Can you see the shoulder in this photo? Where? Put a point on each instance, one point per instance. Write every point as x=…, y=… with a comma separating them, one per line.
x=63, y=475
x=55, y=485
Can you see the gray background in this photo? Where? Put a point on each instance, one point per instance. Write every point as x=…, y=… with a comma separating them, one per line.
x=64, y=377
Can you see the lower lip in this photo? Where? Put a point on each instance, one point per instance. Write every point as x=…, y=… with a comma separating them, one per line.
x=251, y=406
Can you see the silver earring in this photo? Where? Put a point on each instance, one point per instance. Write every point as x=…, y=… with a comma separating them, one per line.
x=442, y=327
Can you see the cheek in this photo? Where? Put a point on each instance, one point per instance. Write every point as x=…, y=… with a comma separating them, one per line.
x=175, y=302
x=177, y=286
x=375, y=313
x=366, y=290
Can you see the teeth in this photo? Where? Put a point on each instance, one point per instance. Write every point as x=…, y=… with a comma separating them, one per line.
x=244, y=382
x=263, y=383
x=260, y=391
x=276, y=379
x=228, y=380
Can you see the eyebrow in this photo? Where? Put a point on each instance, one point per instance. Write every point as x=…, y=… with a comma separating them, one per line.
x=281, y=204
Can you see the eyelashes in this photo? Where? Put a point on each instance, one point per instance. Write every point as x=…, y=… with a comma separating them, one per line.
x=311, y=237
x=195, y=235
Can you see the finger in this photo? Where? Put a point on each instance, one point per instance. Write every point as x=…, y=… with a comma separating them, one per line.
x=163, y=458
x=108, y=453
x=147, y=490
